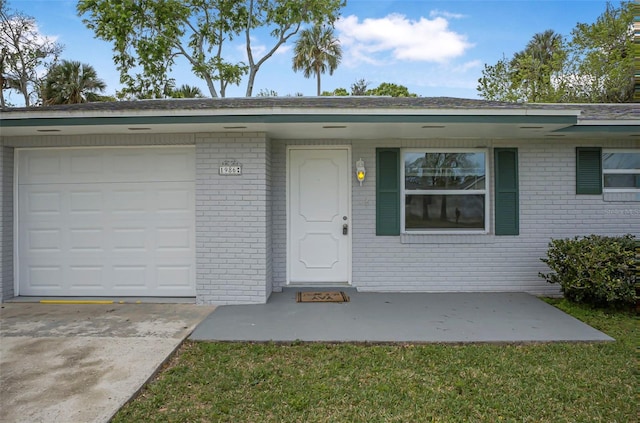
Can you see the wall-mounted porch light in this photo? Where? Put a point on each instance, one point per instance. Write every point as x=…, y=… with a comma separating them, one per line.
x=360, y=171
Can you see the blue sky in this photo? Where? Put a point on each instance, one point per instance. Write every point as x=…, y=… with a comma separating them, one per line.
x=435, y=48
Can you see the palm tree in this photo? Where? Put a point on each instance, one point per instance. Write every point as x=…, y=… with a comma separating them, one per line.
x=316, y=51
x=535, y=65
x=544, y=45
x=187, y=91
x=72, y=82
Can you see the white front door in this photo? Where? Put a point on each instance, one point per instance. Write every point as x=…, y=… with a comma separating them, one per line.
x=319, y=241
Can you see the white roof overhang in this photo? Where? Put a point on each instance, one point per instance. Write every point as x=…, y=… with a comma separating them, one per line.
x=318, y=122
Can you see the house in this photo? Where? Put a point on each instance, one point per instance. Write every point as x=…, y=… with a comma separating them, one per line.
x=228, y=200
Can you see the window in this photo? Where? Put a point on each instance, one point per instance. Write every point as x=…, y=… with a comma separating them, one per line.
x=621, y=170
x=444, y=190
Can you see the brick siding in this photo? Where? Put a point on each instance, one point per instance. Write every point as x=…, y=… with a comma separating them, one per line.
x=6, y=223
x=233, y=240
x=241, y=220
x=549, y=208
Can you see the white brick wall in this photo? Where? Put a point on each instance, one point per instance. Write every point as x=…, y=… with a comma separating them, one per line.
x=3, y=280
x=549, y=209
x=241, y=220
x=268, y=220
x=233, y=251
x=279, y=213
x=6, y=222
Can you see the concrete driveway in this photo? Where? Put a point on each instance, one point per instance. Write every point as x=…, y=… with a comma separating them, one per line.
x=81, y=363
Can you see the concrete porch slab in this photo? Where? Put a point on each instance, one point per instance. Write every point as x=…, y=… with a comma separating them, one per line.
x=390, y=317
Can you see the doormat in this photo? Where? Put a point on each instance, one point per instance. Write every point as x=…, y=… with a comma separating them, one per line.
x=322, y=297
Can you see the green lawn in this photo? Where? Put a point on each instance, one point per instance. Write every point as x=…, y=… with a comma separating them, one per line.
x=558, y=382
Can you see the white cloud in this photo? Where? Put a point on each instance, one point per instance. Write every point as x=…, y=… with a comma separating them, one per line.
x=284, y=49
x=444, y=14
x=259, y=49
x=468, y=66
x=422, y=40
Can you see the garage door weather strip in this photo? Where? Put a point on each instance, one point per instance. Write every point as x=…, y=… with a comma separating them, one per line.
x=84, y=302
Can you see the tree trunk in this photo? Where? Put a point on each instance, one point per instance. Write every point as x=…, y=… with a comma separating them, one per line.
x=425, y=207
x=318, y=80
x=250, y=82
x=254, y=67
x=2, y=82
x=443, y=209
x=212, y=88
x=23, y=88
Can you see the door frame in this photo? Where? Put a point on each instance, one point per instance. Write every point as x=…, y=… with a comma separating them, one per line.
x=348, y=183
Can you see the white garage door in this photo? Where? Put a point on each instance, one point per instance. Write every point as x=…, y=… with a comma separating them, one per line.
x=106, y=221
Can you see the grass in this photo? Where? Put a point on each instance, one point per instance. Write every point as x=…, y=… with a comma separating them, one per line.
x=556, y=382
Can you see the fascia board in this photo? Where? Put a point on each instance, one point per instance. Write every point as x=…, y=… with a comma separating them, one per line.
x=283, y=111
x=626, y=122
x=563, y=120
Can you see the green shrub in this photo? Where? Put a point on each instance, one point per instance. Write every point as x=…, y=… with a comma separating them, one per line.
x=596, y=270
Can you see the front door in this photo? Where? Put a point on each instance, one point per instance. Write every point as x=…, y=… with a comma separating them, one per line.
x=319, y=243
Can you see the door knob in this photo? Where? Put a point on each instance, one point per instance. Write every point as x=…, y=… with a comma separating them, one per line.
x=345, y=229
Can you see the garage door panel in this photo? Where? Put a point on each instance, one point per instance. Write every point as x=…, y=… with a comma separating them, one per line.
x=86, y=240
x=86, y=201
x=78, y=237
x=134, y=164
x=39, y=203
x=40, y=166
x=131, y=164
x=130, y=239
x=139, y=164
x=87, y=277
x=179, y=160
x=174, y=200
x=129, y=200
x=174, y=239
x=44, y=240
x=171, y=277
x=130, y=276
x=84, y=163
x=44, y=277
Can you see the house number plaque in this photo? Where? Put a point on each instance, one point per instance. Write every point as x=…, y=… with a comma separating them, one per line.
x=230, y=167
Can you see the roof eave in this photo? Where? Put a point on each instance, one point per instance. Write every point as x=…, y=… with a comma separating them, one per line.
x=285, y=111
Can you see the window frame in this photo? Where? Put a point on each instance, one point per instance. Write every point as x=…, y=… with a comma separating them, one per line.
x=619, y=171
x=486, y=192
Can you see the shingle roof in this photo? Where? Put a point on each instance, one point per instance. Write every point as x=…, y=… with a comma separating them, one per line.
x=590, y=112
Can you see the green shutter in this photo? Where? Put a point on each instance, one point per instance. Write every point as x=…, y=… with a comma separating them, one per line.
x=589, y=170
x=388, y=191
x=507, y=208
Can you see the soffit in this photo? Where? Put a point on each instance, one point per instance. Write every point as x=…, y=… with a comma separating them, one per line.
x=328, y=118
